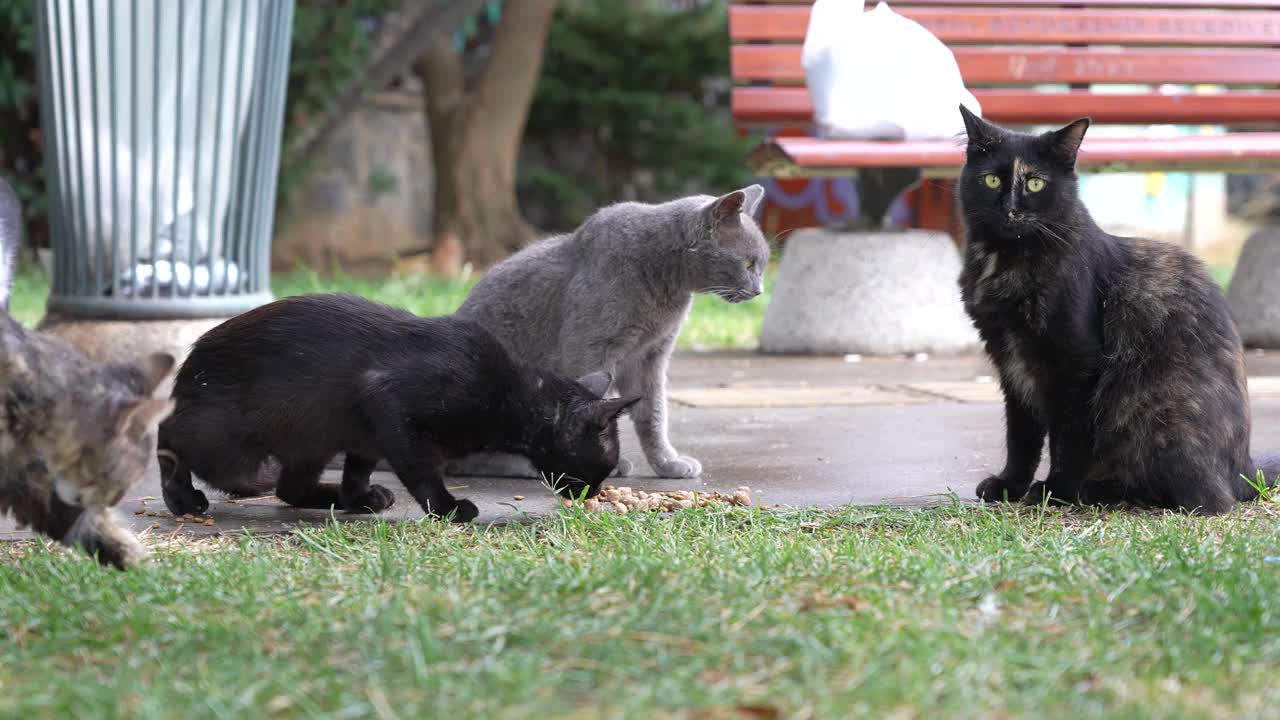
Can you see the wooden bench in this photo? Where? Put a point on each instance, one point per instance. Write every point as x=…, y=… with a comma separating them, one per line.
x=1089, y=52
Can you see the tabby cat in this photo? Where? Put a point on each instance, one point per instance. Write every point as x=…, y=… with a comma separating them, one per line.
x=75, y=435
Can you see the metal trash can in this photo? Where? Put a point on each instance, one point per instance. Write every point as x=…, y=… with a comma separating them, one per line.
x=161, y=126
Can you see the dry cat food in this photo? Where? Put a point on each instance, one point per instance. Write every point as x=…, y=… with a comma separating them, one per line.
x=624, y=499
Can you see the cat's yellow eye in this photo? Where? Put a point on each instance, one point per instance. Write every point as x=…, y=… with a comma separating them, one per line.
x=751, y=264
x=1035, y=184
x=992, y=181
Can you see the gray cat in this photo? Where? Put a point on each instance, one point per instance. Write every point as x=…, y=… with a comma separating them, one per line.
x=613, y=295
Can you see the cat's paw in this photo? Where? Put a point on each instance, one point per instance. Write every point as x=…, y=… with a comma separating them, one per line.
x=1037, y=493
x=624, y=469
x=998, y=489
x=1042, y=491
x=678, y=467
x=465, y=511
x=182, y=501
x=121, y=552
x=104, y=539
x=374, y=500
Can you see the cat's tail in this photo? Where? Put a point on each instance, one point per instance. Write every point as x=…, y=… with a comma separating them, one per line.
x=1266, y=477
x=10, y=239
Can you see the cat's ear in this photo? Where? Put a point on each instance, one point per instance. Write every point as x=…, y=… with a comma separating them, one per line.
x=727, y=207
x=155, y=368
x=606, y=411
x=138, y=416
x=1064, y=144
x=755, y=194
x=983, y=136
x=597, y=382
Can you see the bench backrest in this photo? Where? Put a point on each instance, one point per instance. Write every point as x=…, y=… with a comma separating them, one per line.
x=1007, y=49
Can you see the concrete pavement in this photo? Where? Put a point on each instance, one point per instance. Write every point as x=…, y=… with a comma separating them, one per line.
x=799, y=431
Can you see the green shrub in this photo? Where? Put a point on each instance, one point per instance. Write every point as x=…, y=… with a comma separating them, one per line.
x=19, y=113
x=627, y=108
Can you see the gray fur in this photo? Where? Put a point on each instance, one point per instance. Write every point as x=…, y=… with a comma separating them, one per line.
x=614, y=293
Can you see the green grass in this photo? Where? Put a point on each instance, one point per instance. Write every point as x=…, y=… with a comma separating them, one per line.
x=712, y=324
x=26, y=302
x=958, y=611
x=1222, y=273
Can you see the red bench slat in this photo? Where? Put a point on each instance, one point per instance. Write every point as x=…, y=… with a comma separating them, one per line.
x=792, y=105
x=1005, y=46
x=1026, y=66
x=806, y=156
x=1039, y=25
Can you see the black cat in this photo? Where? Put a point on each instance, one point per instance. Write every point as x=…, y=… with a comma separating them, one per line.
x=304, y=378
x=1122, y=350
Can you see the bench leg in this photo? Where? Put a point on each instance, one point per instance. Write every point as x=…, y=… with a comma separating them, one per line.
x=877, y=189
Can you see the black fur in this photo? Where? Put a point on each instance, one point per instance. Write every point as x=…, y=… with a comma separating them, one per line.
x=304, y=378
x=1122, y=351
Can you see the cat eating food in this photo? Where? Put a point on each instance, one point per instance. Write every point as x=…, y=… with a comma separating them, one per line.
x=75, y=435
x=304, y=378
x=614, y=293
x=1121, y=350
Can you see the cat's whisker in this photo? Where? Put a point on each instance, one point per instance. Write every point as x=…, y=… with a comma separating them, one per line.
x=1062, y=242
x=724, y=292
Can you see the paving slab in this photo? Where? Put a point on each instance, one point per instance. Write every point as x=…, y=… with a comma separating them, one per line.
x=935, y=429
x=740, y=396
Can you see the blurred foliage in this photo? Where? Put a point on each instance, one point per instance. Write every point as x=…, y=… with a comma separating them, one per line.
x=331, y=44
x=627, y=108
x=19, y=113
x=630, y=104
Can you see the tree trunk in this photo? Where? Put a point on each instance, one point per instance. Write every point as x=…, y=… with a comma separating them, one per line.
x=475, y=139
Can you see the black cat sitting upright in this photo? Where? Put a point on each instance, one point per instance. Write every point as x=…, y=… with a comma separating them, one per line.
x=1121, y=350
x=304, y=378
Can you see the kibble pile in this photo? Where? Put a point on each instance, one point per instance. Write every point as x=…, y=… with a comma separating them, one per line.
x=188, y=518
x=624, y=499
